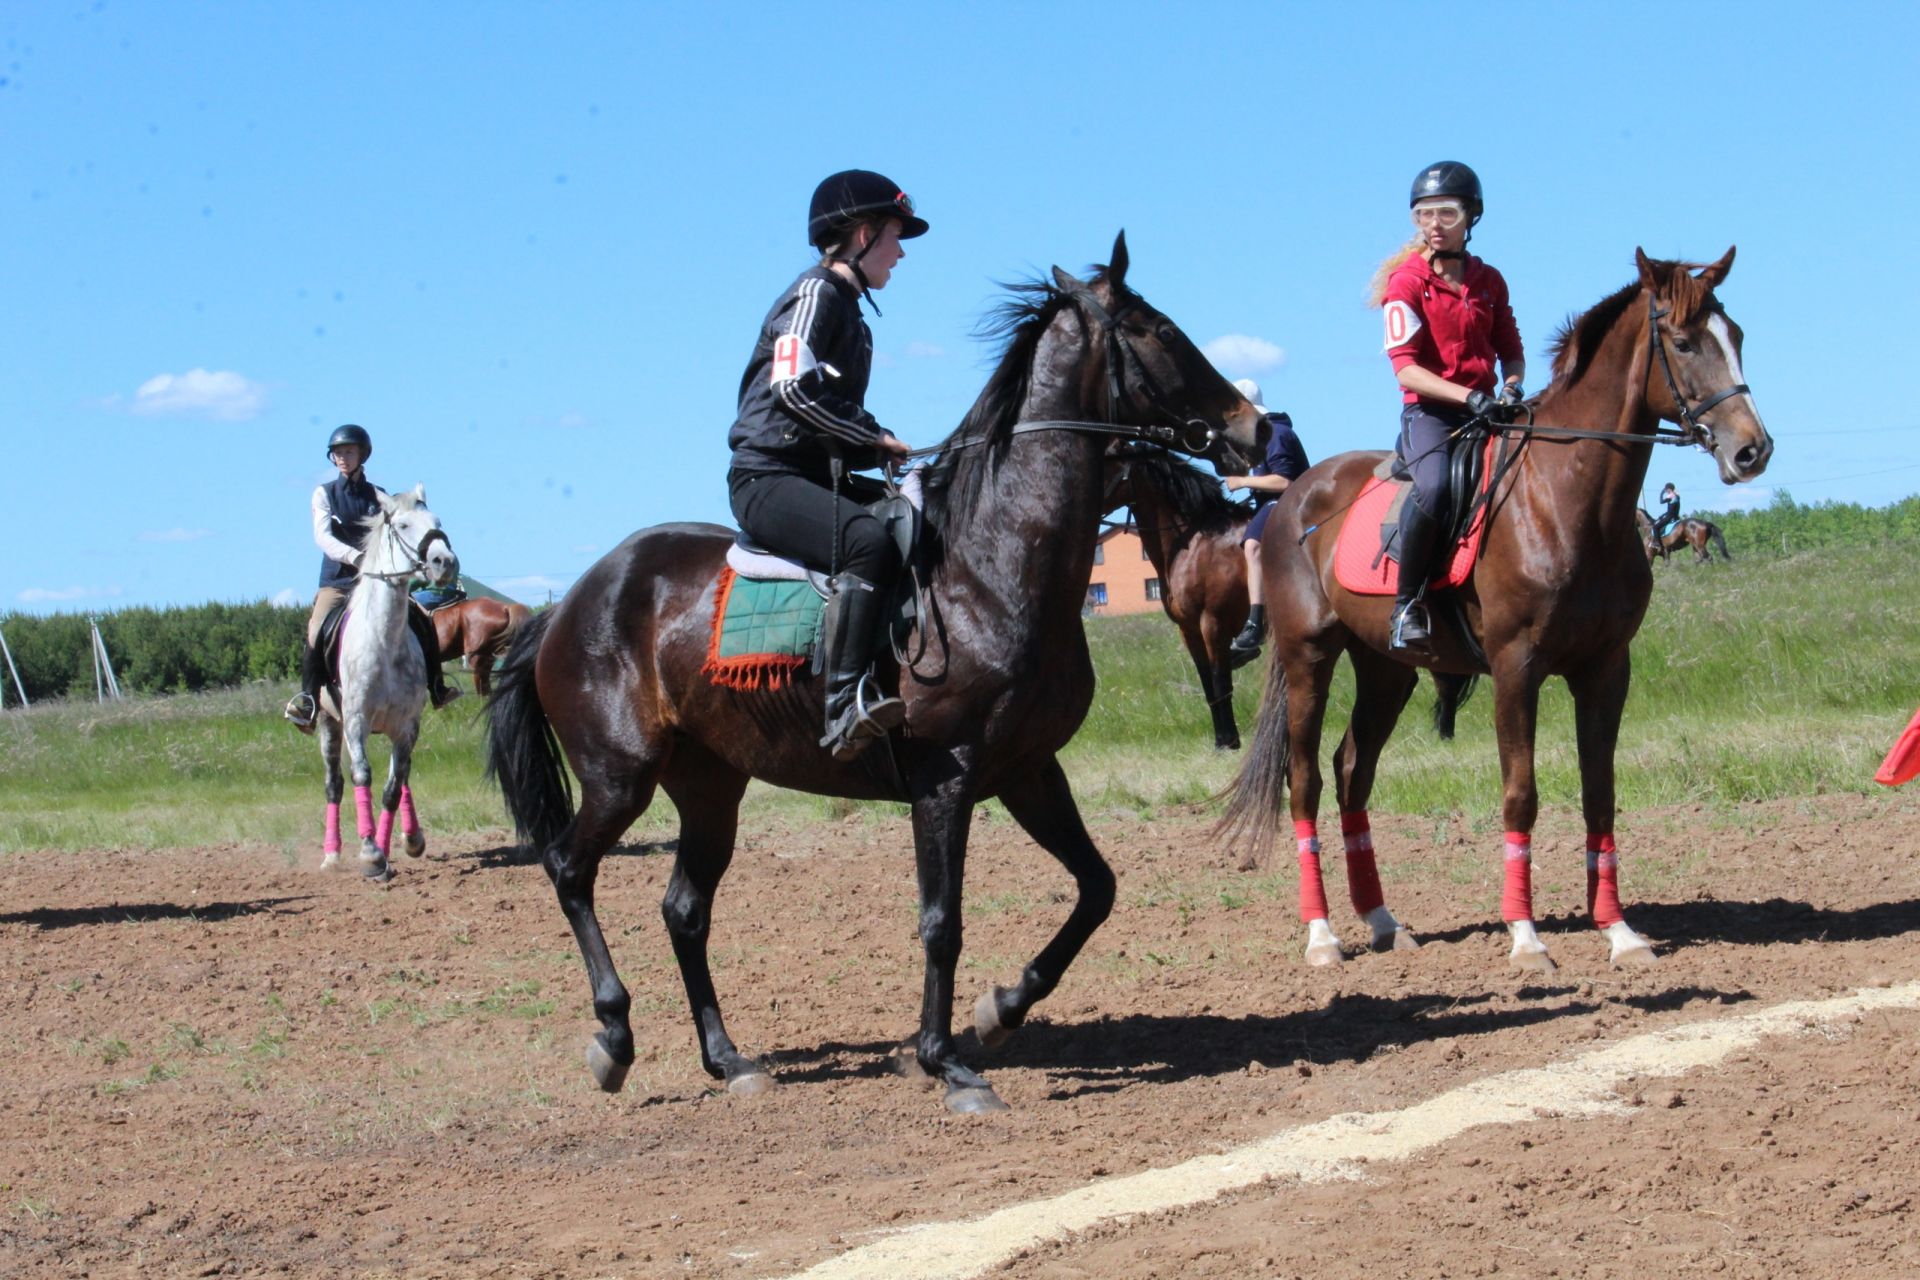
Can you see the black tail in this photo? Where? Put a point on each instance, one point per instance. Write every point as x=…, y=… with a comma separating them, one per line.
x=1255, y=800
x=1713, y=531
x=523, y=756
x=1450, y=692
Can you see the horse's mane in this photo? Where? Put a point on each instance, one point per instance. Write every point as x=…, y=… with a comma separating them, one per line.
x=1189, y=490
x=953, y=483
x=1578, y=339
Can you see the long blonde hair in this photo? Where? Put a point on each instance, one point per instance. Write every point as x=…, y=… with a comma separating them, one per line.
x=1377, y=287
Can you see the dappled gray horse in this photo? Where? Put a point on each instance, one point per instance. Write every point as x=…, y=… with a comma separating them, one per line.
x=383, y=677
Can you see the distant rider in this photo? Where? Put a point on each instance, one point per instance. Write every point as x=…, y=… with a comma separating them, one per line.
x=802, y=414
x=1447, y=320
x=339, y=508
x=1671, y=516
x=1286, y=461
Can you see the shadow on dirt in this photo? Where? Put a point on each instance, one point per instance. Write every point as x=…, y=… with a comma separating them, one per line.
x=1675, y=926
x=512, y=855
x=150, y=912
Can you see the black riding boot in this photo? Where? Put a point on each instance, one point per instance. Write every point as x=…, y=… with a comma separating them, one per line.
x=1246, y=646
x=856, y=714
x=305, y=705
x=438, y=691
x=1420, y=533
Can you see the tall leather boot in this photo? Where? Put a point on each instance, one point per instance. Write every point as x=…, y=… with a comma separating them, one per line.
x=1411, y=630
x=438, y=691
x=856, y=714
x=304, y=707
x=1245, y=647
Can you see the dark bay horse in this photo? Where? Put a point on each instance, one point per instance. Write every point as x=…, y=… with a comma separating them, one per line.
x=477, y=630
x=1701, y=535
x=1000, y=676
x=1559, y=589
x=1192, y=532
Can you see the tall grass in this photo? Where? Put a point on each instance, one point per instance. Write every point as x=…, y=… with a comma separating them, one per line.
x=1754, y=680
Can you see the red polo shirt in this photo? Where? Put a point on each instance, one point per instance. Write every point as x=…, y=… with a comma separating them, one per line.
x=1455, y=331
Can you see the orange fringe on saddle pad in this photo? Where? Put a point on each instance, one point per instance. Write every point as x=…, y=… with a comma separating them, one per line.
x=746, y=671
x=1903, y=762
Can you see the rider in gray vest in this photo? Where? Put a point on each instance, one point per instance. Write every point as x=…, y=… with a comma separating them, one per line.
x=339, y=507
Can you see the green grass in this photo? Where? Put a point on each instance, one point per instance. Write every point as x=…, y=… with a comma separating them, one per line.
x=1761, y=679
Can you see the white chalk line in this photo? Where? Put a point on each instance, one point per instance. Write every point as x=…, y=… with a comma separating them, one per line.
x=1338, y=1148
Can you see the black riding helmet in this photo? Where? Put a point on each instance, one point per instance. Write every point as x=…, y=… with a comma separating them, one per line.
x=1450, y=178
x=857, y=195
x=351, y=434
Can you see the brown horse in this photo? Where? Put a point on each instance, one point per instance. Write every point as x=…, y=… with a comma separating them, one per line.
x=1690, y=532
x=1558, y=590
x=999, y=677
x=477, y=630
x=1192, y=534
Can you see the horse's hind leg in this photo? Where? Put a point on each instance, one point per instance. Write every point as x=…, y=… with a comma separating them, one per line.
x=399, y=797
x=1042, y=803
x=329, y=734
x=1381, y=690
x=707, y=794
x=1216, y=680
x=1516, y=717
x=1599, y=694
x=610, y=800
x=1309, y=675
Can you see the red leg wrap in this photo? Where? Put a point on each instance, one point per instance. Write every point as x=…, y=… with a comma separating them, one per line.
x=1363, y=877
x=1603, y=880
x=1516, y=899
x=1313, y=892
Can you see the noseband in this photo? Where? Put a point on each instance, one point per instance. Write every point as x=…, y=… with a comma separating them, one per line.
x=416, y=555
x=1695, y=431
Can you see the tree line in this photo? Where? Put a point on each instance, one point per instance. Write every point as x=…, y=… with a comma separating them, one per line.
x=1785, y=527
x=176, y=650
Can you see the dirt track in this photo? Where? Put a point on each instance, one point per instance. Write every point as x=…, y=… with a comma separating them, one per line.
x=216, y=1063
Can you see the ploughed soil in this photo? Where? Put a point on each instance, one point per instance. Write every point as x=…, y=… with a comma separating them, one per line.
x=221, y=1061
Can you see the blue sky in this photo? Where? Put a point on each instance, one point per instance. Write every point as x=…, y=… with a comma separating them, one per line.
x=528, y=246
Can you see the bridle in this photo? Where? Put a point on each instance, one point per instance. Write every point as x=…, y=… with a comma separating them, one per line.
x=416, y=554
x=1191, y=436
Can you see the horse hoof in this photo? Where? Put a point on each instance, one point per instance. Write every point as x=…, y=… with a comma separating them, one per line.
x=416, y=843
x=331, y=862
x=986, y=1021
x=378, y=870
x=1398, y=940
x=1533, y=961
x=1637, y=955
x=1323, y=955
x=751, y=1083
x=607, y=1073
x=978, y=1100
x=905, y=1061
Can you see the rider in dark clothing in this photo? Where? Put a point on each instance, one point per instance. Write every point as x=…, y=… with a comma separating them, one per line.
x=339, y=507
x=1285, y=462
x=1671, y=516
x=802, y=425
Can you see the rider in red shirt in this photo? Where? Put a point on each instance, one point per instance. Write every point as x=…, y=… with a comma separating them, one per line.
x=1447, y=321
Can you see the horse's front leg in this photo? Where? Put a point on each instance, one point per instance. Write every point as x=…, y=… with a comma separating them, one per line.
x=328, y=730
x=1210, y=662
x=373, y=860
x=942, y=814
x=1381, y=689
x=1516, y=714
x=1042, y=803
x=398, y=798
x=1309, y=675
x=1599, y=695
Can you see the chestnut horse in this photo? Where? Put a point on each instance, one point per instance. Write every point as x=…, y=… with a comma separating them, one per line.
x=1192, y=534
x=477, y=630
x=998, y=680
x=1698, y=534
x=1558, y=590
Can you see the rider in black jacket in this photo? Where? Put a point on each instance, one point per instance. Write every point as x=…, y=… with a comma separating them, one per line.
x=802, y=425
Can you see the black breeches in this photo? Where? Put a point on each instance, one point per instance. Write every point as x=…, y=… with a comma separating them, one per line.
x=1426, y=450
x=797, y=517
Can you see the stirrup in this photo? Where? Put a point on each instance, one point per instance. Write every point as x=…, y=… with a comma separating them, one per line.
x=862, y=721
x=447, y=694
x=1411, y=630
x=301, y=711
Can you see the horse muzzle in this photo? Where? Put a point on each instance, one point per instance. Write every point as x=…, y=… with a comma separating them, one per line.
x=1741, y=454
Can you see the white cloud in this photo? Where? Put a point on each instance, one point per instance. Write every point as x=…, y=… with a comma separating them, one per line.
x=925, y=350
x=174, y=535
x=287, y=597
x=1240, y=353
x=58, y=595
x=221, y=395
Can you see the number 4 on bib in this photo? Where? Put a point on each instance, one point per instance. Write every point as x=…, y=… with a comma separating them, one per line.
x=1402, y=324
x=792, y=358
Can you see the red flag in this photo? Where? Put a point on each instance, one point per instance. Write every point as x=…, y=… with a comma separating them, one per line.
x=1903, y=762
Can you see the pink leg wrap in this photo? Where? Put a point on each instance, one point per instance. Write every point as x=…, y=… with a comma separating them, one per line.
x=409, y=820
x=1516, y=899
x=1363, y=878
x=383, y=834
x=1603, y=880
x=332, y=843
x=1313, y=892
x=363, y=811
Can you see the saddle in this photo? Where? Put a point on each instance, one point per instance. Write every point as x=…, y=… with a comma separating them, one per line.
x=765, y=628
x=328, y=645
x=1366, y=561
x=433, y=599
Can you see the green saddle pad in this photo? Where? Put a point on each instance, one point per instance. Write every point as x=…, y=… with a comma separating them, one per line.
x=763, y=631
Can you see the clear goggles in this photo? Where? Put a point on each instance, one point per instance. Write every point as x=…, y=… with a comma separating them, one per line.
x=1439, y=213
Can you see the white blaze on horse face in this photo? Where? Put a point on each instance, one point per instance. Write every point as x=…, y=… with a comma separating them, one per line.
x=1717, y=326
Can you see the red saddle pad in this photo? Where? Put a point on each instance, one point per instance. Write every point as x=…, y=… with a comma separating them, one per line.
x=1357, y=563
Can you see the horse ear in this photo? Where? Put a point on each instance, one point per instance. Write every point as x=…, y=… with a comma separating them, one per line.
x=1066, y=281
x=1649, y=278
x=1117, y=264
x=385, y=500
x=1714, y=273
x=420, y=494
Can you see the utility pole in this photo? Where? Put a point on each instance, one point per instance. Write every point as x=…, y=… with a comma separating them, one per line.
x=18, y=688
x=103, y=681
